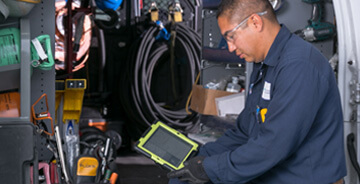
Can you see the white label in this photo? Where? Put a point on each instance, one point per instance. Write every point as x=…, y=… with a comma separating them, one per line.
x=39, y=49
x=266, y=91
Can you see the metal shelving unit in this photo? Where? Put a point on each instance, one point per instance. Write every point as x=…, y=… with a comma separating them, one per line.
x=20, y=144
x=18, y=75
x=42, y=18
x=17, y=134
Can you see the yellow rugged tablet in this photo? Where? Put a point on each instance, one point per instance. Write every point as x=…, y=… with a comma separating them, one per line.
x=166, y=146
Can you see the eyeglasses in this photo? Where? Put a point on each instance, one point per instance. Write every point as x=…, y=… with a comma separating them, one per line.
x=230, y=37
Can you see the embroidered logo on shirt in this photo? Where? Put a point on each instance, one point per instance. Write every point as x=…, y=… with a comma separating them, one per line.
x=266, y=91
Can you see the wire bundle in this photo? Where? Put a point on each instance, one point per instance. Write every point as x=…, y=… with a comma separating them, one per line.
x=146, y=53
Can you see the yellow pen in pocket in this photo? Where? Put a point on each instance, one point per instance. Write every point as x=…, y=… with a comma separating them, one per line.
x=262, y=114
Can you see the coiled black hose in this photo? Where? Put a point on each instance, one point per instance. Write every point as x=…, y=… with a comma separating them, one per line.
x=137, y=100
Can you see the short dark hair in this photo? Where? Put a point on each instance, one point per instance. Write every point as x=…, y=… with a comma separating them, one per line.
x=239, y=9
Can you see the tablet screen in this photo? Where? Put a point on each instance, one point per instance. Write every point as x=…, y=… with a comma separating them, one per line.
x=168, y=146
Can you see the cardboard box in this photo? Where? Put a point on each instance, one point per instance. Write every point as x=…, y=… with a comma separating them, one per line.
x=10, y=105
x=203, y=100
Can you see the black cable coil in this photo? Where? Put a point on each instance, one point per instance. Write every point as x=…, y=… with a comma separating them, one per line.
x=137, y=100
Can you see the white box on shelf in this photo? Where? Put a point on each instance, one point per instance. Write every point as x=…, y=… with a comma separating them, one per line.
x=231, y=104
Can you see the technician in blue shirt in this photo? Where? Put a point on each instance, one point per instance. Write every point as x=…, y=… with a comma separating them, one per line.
x=291, y=129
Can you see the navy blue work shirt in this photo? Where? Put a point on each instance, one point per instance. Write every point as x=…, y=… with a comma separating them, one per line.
x=291, y=129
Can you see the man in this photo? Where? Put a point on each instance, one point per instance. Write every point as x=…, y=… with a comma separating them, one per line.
x=291, y=129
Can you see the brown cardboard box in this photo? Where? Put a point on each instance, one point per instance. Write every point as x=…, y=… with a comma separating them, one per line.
x=10, y=104
x=203, y=100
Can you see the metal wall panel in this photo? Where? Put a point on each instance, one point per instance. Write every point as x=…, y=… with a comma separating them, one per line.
x=295, y=14
x=347, y=18
x=42, y=21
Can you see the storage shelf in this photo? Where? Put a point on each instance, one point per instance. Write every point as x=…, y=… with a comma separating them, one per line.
x=10, y=68
x=31, y=84
x=10, y=22
x=15, y=119
x=18, y=76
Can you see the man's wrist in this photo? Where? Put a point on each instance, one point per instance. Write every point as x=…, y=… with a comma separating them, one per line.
x=198, y=168
x=193, y=171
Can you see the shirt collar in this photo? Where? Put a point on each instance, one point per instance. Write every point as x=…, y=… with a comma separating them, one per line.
x=277, y=46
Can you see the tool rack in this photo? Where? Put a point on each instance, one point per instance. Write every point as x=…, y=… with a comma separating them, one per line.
x=20, y=145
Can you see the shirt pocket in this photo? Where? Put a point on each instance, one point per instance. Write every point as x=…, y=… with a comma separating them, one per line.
x=258, y=117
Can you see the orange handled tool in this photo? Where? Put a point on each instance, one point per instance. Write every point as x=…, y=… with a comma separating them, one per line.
x=43, y=115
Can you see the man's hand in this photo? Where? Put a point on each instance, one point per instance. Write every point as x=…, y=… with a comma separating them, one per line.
x=193, y=171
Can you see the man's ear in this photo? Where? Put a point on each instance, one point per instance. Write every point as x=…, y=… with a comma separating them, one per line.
x=256, y=22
